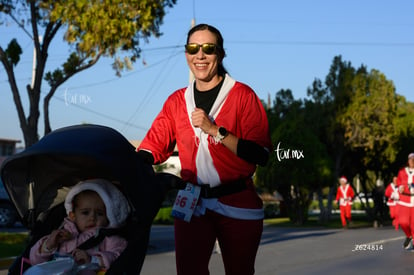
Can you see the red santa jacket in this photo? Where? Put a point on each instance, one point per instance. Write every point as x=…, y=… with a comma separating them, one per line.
x=391, y=192
x=345, y=194
x=203, y=160
x=405, y=179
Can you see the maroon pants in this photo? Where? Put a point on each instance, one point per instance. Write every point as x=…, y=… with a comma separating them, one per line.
x=238, y=239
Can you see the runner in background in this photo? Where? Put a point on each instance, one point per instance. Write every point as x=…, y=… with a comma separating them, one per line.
x=405, y=208
x=344, y=196
x=391, y=192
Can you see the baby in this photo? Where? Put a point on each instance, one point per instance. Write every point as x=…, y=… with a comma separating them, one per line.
x=90, y=205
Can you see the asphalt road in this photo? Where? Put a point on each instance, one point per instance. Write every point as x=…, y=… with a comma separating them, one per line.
x=302, y=251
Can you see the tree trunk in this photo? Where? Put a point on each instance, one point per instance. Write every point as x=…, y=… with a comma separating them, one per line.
x=331, y=195
x=326, y=211
x=31, y=134
x=299, y=206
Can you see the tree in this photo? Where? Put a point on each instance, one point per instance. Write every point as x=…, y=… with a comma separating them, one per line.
x=93, y=29
x=369, y=119
x=404, y=124
x=300, y=161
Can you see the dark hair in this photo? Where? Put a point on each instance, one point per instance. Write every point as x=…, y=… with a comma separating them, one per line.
x=219, y=40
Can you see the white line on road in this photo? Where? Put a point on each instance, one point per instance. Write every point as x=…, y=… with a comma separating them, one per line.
x=385, y=240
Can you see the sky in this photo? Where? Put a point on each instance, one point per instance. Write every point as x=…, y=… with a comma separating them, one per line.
x=270, y=45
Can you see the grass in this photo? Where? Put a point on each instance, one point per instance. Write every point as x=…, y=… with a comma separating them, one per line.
x=12, y=244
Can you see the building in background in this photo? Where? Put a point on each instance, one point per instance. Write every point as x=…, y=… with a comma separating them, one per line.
x=7, y=148
x=171, y=165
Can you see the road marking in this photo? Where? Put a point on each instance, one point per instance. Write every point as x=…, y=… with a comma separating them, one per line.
x=386, y=240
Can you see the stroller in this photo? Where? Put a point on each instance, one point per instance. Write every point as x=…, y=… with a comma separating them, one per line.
x=38, y=179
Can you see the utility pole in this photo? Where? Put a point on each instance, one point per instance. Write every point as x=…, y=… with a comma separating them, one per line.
x=193, y=22
x=268, y=101
x=191, y=75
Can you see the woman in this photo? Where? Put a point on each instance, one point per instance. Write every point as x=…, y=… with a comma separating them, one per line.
x=221, y=131
x=405, y=208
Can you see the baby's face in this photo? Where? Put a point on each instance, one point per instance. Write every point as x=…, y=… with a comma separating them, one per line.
x=89, y=212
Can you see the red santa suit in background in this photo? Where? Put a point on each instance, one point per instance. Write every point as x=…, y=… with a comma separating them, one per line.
x=391, y=192
x=344, y=197
x=405, y=208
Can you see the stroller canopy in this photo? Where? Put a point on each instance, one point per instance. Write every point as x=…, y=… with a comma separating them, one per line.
x=38, y=178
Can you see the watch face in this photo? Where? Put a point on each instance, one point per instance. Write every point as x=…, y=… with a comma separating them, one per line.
x=223, y=131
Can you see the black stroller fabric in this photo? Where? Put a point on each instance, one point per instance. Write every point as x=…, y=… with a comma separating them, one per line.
x=38, y=179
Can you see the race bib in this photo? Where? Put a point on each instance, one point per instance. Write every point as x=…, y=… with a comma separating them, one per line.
x=186, y=202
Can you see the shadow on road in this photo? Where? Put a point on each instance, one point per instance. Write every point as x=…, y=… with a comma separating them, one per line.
x=274, y=235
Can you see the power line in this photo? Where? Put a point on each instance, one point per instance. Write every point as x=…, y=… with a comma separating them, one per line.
x=102, y=114
x=156, y=81
x=126, y=74
x=324, y=43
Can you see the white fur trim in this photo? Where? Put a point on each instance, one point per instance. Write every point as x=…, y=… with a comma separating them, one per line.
x=206, y=172
x=117, y=207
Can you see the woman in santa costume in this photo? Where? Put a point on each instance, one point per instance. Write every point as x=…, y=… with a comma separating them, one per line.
x=221, y=131
x=344, y=197
x=405, y=208
x=392, y=194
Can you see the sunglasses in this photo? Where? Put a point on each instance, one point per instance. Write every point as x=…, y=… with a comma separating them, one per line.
x=207, y=48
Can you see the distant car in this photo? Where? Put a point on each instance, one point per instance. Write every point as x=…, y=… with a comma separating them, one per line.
x=8, y=214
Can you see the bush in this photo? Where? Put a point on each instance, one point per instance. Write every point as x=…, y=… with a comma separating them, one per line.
x=12, y=244
x=164, y=216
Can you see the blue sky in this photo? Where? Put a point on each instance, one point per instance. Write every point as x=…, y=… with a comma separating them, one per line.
x=270, y=44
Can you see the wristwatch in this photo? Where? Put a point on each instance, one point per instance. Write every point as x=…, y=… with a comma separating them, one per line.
x=221, y=134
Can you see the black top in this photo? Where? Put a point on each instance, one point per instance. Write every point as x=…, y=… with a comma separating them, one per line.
x=205, y=99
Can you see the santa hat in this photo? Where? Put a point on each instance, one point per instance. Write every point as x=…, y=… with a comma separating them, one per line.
x=117, y=207
x=343, y=179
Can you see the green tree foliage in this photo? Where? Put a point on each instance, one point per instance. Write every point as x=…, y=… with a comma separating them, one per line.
x=404, y=124
x=369, y=119
x=93, y=29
